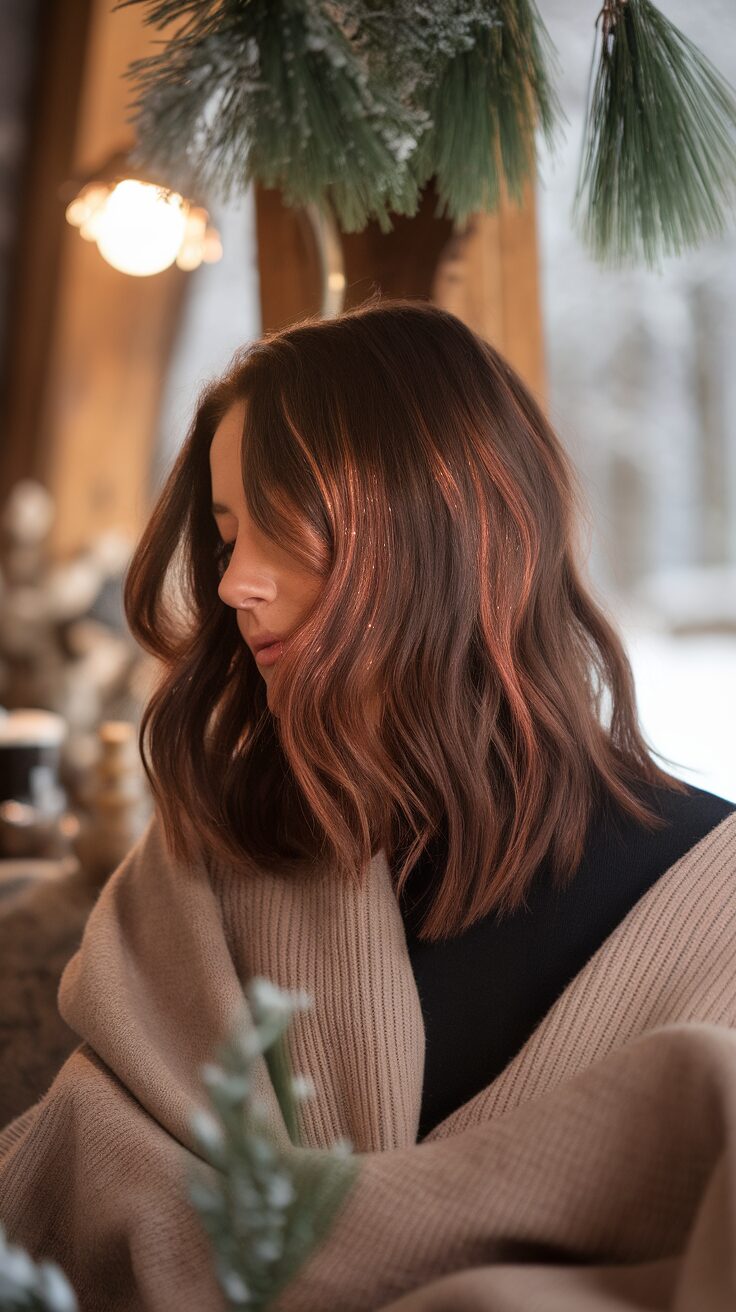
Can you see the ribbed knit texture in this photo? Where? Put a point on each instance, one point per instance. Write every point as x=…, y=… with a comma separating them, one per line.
x=598, y=1171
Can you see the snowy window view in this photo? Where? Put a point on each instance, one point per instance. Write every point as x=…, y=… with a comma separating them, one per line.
x=643, y=393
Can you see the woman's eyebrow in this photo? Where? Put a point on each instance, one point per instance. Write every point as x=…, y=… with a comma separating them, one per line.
x=219, y=509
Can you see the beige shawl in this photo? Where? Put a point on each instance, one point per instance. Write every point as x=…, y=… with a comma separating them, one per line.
x=597, y=1172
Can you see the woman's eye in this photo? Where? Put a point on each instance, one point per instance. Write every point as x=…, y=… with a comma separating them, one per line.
x=223, y=552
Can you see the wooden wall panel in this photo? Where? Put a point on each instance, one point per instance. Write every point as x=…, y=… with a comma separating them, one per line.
x=489, y=277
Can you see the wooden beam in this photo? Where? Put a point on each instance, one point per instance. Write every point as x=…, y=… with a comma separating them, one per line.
x=63, y=31
x=97, y=385
x=487, y=273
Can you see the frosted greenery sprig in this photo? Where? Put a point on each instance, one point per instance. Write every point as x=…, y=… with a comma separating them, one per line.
x=265, y=1208
x=278, y=92
x=27, y=1286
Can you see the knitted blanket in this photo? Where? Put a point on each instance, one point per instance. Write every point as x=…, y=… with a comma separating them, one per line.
x=597, y=1172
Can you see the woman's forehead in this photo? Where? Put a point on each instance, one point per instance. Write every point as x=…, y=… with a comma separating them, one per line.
x=229, y=431
x=225, y=462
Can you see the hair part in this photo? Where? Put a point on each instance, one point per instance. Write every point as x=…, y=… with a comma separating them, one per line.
x=400, y=457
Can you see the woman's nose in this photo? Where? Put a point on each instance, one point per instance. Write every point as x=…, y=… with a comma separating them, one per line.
x=245, y=579
x=231, y=588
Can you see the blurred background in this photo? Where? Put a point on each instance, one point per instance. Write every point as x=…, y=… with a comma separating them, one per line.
x=106, y=340
x=100, y=369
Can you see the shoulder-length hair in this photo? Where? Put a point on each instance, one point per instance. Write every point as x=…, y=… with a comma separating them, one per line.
x=397, y=455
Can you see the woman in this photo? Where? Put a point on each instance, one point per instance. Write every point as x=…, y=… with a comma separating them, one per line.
x=414, y=806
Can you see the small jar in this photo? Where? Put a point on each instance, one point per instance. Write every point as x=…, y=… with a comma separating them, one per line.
x=34, y=820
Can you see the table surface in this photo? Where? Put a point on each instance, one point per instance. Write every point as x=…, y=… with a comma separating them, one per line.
x=15, y=872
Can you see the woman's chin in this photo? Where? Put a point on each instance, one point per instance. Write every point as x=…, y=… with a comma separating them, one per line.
x=270, y=698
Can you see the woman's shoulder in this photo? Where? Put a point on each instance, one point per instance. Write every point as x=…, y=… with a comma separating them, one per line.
x=698, y=808
x=655, y=877
x=687, y=818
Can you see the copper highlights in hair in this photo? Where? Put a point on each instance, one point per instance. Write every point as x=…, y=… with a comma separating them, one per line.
x=400, y=458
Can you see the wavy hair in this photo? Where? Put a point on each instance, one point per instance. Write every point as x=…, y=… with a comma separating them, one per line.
x=397, y=455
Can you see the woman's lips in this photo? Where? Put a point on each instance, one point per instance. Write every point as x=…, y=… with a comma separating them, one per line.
x=267, y=655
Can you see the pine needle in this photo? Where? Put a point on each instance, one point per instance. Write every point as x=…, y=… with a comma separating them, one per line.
x=485, y=105
x=658, y=169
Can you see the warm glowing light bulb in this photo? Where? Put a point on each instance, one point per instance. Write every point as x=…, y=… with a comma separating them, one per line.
x=140, y=228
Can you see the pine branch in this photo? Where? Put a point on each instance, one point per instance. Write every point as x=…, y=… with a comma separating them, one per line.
x=273, y=90
x=659, y=164
x=264, y=1209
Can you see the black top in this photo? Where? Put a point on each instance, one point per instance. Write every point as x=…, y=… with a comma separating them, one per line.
x=485, y=991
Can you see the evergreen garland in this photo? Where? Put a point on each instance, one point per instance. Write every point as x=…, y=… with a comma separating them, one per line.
x=331, y=102
x=354, y=105
x=274, y=91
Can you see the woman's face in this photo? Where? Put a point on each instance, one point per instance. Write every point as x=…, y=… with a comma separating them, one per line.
x=269, y=592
